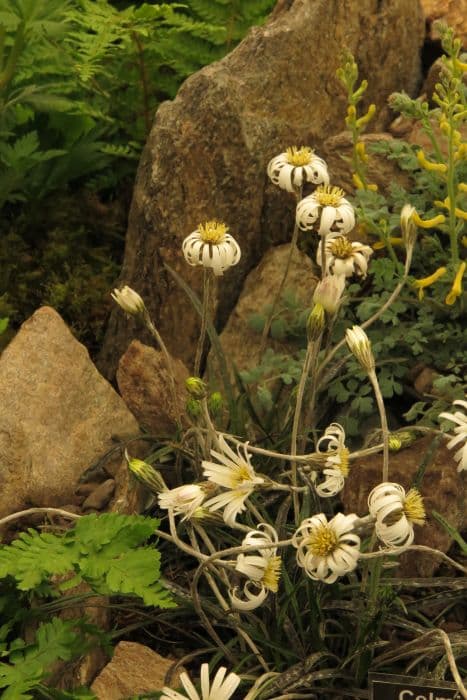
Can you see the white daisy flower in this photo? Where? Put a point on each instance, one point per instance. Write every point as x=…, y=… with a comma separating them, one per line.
x=262, y=569
x=184, y=500
x=336, y=469
x=222, y=688
x=395, y=512
x=211, y=246
x=326, y=211
x=460, y=434
x=235, y=473
x=327, y=550
x=344, y=257
x=296, y=166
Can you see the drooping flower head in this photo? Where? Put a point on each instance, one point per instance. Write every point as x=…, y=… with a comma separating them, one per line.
x=184, y=500
x=222, y=688
x=129, y=300
x=326, y=211
x=336, y=469
x=327, y=550
x=344, y=257
x=262, y=569
x=291, y=169
x=234, y=473
x=396, y=512
x=460, y=434
x=210, y=245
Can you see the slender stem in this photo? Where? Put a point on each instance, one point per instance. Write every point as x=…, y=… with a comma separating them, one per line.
x=376, y=315
x=7, y=74
x=168, y=361
x=32, y=511
x=384, y=422
x=293, y=245
x=204, y=321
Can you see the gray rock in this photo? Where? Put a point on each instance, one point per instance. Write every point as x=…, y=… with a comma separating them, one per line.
x=207, y=153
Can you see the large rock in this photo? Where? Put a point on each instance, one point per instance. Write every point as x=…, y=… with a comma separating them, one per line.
x=240, y=342
x=58, y=417
x=207, y=153
x=443, y=489
x=134, y=669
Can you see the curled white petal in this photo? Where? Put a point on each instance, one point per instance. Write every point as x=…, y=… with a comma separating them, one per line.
x=253, y=600
x=222, y=687
x=460, y=434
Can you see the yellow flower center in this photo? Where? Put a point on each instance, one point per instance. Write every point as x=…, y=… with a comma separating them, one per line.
x=414, y=508
x=212, y=232
x=344, y=461
x=341, y=247
x=323, y=541
x=242, y=474
x=299, y=156
x=329, y=196
x=272, y=574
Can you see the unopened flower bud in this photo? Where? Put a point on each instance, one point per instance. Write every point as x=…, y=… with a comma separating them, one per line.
x=408, y=226
x=215, y=403
x=129, y=300
x=401, y=439
x=196, y=387
x=316, y=322
x=360, y=346
x=193, y=407
x=146, y=473
x=328, y=292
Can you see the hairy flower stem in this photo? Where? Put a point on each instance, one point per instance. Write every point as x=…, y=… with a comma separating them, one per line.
x=204, y=320
x=384, y=422
x=293, y=245
x=32, y=511
x=168, y=362
x=310, y=357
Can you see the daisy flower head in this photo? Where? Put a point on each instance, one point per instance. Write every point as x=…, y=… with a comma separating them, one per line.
x=221, y=688
x=396, y=512
x=460, y=434
x=360, y=346
x=344, y=257
x=327, y=550
x=211, y=246
x=328, y=292
x=291, y=169
x=129, y=300
x=262, y=569
x=232, y=471
x=184, y=500
x=336, y=467
x=326, y=211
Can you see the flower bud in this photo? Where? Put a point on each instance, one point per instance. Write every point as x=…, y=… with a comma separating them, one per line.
x=328, y=292
x=215, y=403
x=408, y=226
x=146, y=473
x=360, y=346
x=193, y=407
x=195, y=387
x=129, y=300
x=315, y=323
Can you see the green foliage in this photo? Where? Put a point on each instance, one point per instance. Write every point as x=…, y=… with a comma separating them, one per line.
x=106, y=551
x=28, y=664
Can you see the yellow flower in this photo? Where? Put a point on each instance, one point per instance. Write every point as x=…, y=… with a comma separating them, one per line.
x=456, y=289
x=429, y=165
x=428, y=223
x=427, y=281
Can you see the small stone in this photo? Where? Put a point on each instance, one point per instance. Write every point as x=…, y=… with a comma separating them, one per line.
x=145, y=385
x=134, y=669
x=100, y=497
